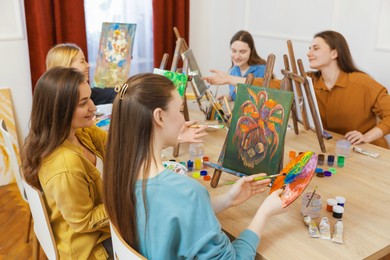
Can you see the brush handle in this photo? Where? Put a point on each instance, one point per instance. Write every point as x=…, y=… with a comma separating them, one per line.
x=219, y=167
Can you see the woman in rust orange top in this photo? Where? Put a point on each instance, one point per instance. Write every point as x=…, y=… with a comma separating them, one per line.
x=349, y=100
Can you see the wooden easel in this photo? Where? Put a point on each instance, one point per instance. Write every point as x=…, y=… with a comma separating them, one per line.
x=301, y=80
x=249, y=81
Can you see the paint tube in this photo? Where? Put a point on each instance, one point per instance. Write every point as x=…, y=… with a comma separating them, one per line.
x=312, y=227
x=338, y=232
x=325, y=228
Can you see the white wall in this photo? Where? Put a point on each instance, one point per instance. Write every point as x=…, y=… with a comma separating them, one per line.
x=365, y=25
x=14, y=62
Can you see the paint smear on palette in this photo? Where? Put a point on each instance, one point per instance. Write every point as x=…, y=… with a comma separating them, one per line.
x=299, y=172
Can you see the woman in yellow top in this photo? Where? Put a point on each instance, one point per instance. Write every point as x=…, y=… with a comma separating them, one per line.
x=349, y=100
x=59, y=157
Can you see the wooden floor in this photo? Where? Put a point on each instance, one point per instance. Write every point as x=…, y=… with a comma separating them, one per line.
x=13, y=225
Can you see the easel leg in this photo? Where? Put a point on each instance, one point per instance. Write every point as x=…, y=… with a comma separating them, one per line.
x=215, y=178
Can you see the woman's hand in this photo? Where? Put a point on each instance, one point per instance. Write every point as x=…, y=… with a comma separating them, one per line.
x=190, y=134
x=355, y=137
x=245, y=188
x=219, y=78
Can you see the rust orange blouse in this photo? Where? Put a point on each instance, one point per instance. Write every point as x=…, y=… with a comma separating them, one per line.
x=354, y=103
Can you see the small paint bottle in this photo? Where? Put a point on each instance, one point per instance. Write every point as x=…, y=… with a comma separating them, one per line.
x=338, y=211
x=198, y=163
x=340, y=201
x=321, y=159
x=330, y=160
x=340, y=161
x=319, y=172
x=330, y=203
x=190, y=165
x=205, y=159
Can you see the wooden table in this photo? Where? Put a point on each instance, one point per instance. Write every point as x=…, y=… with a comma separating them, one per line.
x=363, y=181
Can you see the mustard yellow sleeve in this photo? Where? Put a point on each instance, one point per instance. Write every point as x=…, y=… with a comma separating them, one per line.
x=75, y=195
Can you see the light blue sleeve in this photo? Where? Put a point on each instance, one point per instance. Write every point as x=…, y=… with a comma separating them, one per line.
x=214, y=243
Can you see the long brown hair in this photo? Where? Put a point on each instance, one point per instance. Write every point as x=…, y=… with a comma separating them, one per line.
x=130, y=148
x=244, y=36
x=336, y=41
x=54, y=102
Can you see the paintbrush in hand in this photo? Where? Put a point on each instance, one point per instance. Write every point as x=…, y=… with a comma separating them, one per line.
x=260, y=178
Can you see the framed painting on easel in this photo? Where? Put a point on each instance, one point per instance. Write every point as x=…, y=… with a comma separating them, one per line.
x=256, y=135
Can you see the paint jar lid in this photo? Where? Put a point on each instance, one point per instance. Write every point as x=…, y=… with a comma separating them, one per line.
x=332, y=170
x=196, y=174
x=203, y=172
x=331, y=202
x=317, y=170
x=327, y=173
x=338, y=209
x=340, y=199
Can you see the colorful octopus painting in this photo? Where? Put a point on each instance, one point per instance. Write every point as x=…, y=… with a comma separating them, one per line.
x=258, y=129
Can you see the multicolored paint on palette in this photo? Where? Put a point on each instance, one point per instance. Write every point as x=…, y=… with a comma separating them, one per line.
x=114, y=56
x=299, y=172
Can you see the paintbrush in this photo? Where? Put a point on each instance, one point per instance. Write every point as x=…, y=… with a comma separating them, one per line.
x=311, y=197
x=260, y=178
x=210, y=126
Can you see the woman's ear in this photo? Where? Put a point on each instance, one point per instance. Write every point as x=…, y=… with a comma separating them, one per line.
x=158, y=116
x=334, y=54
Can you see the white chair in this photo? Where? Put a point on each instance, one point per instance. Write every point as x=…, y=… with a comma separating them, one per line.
x=121, y=249
x=42, y=228
x=15, y=168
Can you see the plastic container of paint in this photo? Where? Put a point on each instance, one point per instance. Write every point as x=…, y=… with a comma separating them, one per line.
x=340, y=161
x=330, y=160
x=196, y=150
x=338, y=211
x=330, y=203
x=321, y=159
x=340, y=201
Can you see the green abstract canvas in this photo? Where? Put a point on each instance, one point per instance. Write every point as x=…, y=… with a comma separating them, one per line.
x=178, y=79
x=258, y=127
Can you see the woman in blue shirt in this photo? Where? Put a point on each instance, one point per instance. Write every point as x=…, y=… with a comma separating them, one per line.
x=245, y=59
x=161, y=214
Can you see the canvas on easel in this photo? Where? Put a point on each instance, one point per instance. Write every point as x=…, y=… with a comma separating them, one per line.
x=178, y=79
x=258, y=127
x=114, y=55
x=6, y=113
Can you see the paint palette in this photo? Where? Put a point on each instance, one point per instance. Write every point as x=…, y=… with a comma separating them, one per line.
x=299, y=172
x=176, y=167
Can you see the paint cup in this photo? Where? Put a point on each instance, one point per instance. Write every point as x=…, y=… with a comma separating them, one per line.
x=312, y=208
x=196, y=150
x=340, y=201
x=205, y=159
x=340, y=161
x=343, y=148
x=338, y=211
x=330, y=160
x=321, y=159
x=330, y=203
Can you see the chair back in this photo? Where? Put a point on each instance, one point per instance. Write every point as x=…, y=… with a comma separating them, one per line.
x=121, y=249
x=42, y=226
x=12, y=157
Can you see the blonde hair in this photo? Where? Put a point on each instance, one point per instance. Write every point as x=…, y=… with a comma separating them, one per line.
x=61, y=55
